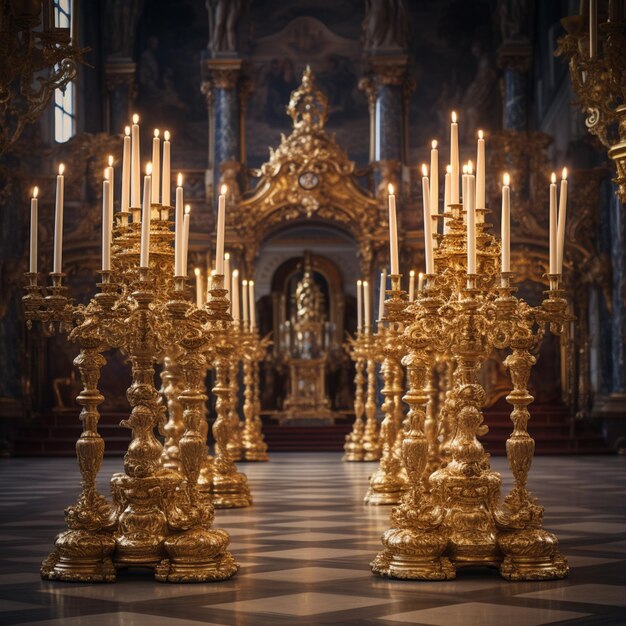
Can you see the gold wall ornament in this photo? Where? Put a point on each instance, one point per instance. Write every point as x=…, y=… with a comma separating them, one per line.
x=308, y=177
x=598, y=81
x=159, y=516
x=453, y=517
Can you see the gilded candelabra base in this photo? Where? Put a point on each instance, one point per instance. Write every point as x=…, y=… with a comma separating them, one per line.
x=253, y=442
x=353, y=447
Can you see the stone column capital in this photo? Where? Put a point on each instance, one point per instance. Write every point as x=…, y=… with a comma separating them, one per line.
x=515, y=56
x=222, y=73
x=118, y=74
x=390, y=69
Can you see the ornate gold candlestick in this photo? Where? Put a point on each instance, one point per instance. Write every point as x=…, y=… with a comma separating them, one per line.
x=389, y=480
x=453, y=518
x=353, y=447
x=235, y=444
x=371, y=440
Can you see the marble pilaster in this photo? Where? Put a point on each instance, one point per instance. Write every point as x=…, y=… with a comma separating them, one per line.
x=120, y=93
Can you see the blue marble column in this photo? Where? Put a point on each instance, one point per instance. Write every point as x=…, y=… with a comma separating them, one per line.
x=227, y=133
x=120, y=84
x=515, y=106
x=388, y=123
x=618, y=319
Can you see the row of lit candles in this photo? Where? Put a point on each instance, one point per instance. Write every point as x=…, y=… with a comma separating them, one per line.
x=156, y=190
x=473, y=198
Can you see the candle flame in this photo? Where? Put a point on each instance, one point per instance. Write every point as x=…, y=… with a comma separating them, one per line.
x=149, y=168
x=365, y=283
x=433, y=144
x=454, y=117
x=465, y=169
x=564, y=174
x=553, y=178
x=412, y=273
x=187, y=209
x=110, y=160
x=421, y=275
x=470, y=167
x=35, y=191
x=250, y=283
x=106, y=173
x=506, y=179
x=179, y=179
x=390, y=189
x=223, y=190
x=127, y=130
x=166, y=134
x=244, y=282
x=480, y=134
x=61, y=169
x=197, y=271
x=448, y=169
x=359, y=283
x=424, y=170
x=226, y=256
x=156, y=132
x=135, y=119
x=235, y=273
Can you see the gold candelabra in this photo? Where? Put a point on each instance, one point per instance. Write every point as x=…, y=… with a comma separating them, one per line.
x=597, y=63
x=453, y=517
x=389, y=481
x=353, y=447
x=159, y=516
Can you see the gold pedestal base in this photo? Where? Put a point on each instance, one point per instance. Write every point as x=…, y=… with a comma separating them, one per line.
x=231, y=491
x=257, y=453
x=388, y=491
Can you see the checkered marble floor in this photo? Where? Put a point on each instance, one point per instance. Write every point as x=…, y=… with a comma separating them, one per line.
x=304, y=548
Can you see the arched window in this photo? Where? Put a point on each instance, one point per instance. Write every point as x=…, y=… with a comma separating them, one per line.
x=64, y=101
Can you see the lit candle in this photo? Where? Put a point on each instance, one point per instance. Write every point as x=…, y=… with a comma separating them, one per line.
x=561, y=223
x=252, y=304
x=144, y=260
x=593, y=29
x=244, y=293
x=434, y=179
x=106, y=224
x=235, y=302
x=178, y=228
x=420, y=282
x=480, y=175
x=446, y=198
x=464, y=193
x=227, y=276
x=165, y=185
x=411, y=285
x=428, y=235
x=471, y=221
x=221, y=216
x=454, y=160
x=506, y=224
x=185, y=242
x=58, y=222
x=199, y=290
x=156, y=166
x=111, y=178
x=381, y=296
x=359, y=305
x=34, y=229
x=367, y=306
x=125, y=203
x=135, y=181
x=393, y=232
x=553, y=245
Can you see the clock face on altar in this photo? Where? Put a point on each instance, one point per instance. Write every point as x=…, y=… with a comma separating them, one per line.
x=308, y=180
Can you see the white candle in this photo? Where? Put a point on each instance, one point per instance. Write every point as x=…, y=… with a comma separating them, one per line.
x=58, y=222
x=553, y=244
x=106, y=224
x=420, y=282
x=381, y=297
x=156, y=167
x=125, y=202
x=446, y=198
x=165, y=185
x=393, y=232
x=111, y=178
x=227, y=276
x=454, y=160
x=471, y=222
x=561, y=223
x=359, y=305
x=235, y=302
x=506, y=224
x=221, y=216
x=464, y=196
x=185, y=242
x=144, y=260
x=367, y=306
x=252, y=304
x=135, y=181
x=178, y=228
x=244, y=293
x=593, y=29
x=34, y=230
x=199, y=289
x=428, y=235
x=411, y=285
x=480, y=173
x=434, y=179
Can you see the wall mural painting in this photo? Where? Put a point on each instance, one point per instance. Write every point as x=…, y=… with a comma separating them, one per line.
x=276, y=65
